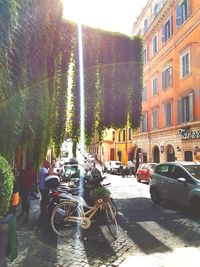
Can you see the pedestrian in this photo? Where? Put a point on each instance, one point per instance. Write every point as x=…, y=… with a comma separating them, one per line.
x=86, y=166
x=131, y=167
x=27, y=180
x=44, y=172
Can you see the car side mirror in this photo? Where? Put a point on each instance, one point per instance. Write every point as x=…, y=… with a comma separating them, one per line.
x=182, y=180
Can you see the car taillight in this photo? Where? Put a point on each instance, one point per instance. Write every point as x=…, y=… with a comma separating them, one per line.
x=56, y=194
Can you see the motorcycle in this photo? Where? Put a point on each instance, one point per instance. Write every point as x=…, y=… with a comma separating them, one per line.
x=125, y=171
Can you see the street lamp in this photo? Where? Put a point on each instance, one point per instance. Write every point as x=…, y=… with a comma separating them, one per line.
x=161, y=148
x=82, y=95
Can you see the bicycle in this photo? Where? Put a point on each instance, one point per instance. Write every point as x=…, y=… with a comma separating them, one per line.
x=68, y=216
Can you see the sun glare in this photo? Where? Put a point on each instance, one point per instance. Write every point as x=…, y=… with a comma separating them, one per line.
x=111, y=15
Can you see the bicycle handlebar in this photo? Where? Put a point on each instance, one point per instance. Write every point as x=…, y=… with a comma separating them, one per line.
x=106, y=184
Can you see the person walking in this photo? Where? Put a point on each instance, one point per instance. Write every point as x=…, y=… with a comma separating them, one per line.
x=131, y=167
x=26, y=179
x=44, y=172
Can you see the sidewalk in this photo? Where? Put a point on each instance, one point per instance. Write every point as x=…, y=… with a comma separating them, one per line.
x=35, y=239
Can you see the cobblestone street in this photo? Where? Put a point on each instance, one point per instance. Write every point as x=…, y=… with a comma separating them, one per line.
x=149, y=235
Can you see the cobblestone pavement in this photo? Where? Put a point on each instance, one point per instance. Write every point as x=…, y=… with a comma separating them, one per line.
x=149, y=235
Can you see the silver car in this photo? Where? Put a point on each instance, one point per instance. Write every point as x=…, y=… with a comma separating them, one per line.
x=178, y=182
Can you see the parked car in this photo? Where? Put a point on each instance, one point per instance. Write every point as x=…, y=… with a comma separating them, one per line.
x=113, y=166
x=144, y=171
x=71, y=171
x=178, y=182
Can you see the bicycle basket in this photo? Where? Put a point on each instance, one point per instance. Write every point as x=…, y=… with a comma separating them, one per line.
x=100, y=192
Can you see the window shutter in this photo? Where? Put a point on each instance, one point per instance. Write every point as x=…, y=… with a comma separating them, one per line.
x=187, y=10
x=191, y=106
x=163, y=34
x=171, y=26
x=169, y=114
x=146, y=122
x=165, y=110
x=163, y=80
x=179, y=111
x=170, y=74
x=178, y=16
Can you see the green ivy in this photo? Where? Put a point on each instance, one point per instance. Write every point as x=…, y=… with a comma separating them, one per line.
x=36, y=50
x=112, y=82
x=6, y=186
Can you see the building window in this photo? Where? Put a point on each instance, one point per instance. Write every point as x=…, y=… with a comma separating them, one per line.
x=119, y=136
x=154, y=86
x=185, y=64
x=129, y=133
x=124, y=135
x=113, y=135
x=155, y=43
x=145, y=55
x=145, y=25
x=144, y=94
x=167, y=30
x=155, y=10
x=182, y=12
x=155, y=119
x=168, y=113
x=185, y=108
x=144, y=122
x=167, y=77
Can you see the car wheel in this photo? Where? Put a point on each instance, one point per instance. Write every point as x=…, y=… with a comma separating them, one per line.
x=155, y=196
x=138, y=178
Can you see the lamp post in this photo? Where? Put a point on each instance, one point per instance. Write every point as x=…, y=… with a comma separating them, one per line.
x=82, y=95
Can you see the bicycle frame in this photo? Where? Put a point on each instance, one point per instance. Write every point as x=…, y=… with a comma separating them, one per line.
x=88, y=214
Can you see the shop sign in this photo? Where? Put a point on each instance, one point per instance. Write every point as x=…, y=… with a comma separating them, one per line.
x=183, y=134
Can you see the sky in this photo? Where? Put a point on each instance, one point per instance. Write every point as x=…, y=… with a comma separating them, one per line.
x=111, y=15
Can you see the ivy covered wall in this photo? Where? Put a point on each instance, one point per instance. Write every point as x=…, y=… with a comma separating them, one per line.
x=36, y=49
x=113, y=81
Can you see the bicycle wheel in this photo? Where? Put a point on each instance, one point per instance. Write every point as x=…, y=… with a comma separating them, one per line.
x=111, y=220
x=114, y=207
x=59, y=222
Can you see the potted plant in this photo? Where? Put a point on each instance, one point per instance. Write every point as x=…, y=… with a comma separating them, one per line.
x=100, y=192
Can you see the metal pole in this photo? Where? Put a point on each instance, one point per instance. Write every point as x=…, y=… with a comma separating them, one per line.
x=82, y=97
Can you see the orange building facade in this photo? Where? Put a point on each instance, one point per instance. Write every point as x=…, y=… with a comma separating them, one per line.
x=170, y=123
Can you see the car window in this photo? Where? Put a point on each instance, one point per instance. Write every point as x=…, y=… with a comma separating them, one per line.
x=178, y=172
x=163, y=170
x=194, y=170
x=142, y=166
x=145, y=167
x=118, y=163
x=152, y=166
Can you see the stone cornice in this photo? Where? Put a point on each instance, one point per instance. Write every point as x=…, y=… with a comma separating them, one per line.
x=162, y=15
x=169, y=129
